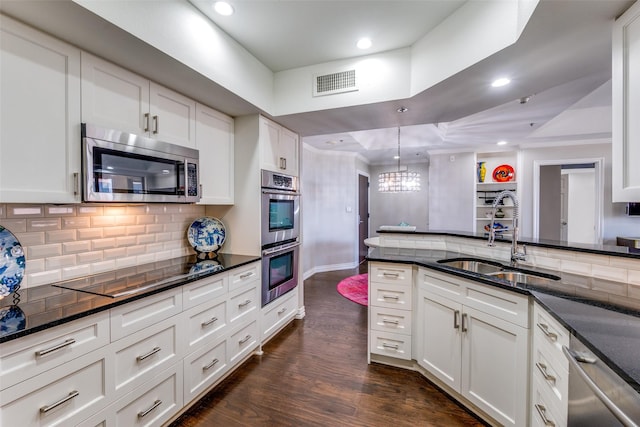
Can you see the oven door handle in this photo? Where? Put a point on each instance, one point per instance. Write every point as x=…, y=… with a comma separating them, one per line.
x=281, y=248
x=575, y=360
x=284, y=192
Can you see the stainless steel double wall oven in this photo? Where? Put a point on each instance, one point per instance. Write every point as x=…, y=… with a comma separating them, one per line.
x=280, y=234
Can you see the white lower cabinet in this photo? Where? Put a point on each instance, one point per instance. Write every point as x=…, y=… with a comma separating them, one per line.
x=278, y=313
x=62, y=396
x=204, y=367
x=483, y=355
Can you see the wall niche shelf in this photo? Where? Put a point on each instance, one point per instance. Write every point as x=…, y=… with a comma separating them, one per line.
x=489, y=189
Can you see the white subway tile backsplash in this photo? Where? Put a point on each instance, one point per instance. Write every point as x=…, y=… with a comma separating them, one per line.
x=126, y=220
x=60, y=211
x=90, y=233
x=107, y=243
x=115, y=253
x=75, y=271
x=145, y=238
x=155, y=228
x=24, y=211
x=53, y=263
x=125, y=241
x=44, y=224
x=114, y=231
x=145, y=258
x=35, y=266
x=59, y=236
x=103, y=221
x=90, y=257
x=575, y=267
x=29, y=239
x=155, y=209
x=90, y=210
x=3, y=211
x=155, y=247
x=15, y=225
x=609, y=273
x=44, y=277
x=76, y=222
x=99, y=267
x=135, y=229
x=115, y=210
x=136, y=250
x=633, y=277
x=43, y=251
x=75, y=247
x=145, y=219
x=136, y=210
x=126, y=262
x=163, y=237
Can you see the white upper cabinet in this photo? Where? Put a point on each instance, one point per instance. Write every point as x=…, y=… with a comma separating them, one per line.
x=279, y=147
x=214, y=140
x=626, y=106
x=40, y=117
x=115, y=98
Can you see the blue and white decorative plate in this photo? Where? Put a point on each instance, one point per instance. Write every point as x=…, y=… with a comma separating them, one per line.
x=206, y=266
x=12, y=263
x=206, y=234
x=12, y=319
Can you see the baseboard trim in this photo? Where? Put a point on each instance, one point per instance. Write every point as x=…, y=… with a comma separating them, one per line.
x=325, y=268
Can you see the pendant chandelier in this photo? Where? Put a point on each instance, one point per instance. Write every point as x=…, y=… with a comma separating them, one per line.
x=399, y=181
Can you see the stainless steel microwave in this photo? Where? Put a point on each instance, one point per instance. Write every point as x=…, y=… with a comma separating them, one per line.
x=122, y=167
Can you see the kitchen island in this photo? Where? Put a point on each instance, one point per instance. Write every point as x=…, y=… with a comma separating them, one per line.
x=512, y=320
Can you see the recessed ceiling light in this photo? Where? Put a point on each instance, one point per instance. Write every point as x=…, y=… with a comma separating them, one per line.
x=223, y=8
x=364, y=43
x=502, y=143
x=396, y=157
x=502, y=81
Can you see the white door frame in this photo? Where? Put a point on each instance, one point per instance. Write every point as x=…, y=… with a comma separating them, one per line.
x=357, y=246
x=599, y=184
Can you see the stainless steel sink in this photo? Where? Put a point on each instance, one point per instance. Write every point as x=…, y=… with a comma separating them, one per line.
x=524, y=278
x=474, y=265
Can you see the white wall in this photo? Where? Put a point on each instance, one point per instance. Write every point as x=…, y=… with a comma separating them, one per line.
x=615, y=222
x=451, y=191
x=394, y=208
x=329, y=232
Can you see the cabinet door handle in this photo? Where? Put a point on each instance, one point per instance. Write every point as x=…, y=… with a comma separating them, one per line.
x=67, y=398
x=464, y=322
x=76, y=183
x=456, y=319
x=245, y=275
x=391, y=275
x=210, y=365
x=390, y=346
x=283, y=163
x=245, y=303
x=63, y=344
x=542, y=411
x=146, y=122
x=149, y=354
x=393, y=322
x=210, y=321
x=245, y=339
x=282, y=310
x=156, y=124
x=547, y=376
x=549, y=334
x=146, y=411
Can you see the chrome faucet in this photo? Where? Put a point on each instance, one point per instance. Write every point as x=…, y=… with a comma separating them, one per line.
x=516, y=253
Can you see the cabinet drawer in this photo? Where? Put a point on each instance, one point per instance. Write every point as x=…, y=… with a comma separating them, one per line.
x=441, y=284
x=505, y=305
x=391, y=320
x=62, y=396
x=276, y=315
x=242, y=342
x=204, y=290
x=129, y=318
x=205, y=322
x=243, y=304
x=244, y=275
x=390, y=295
x=31, y=355
x=204, y=367
x=152, y=404
x=390, y=344
x=544, y=409
x=549, y=335
x=399, y=274
x=139, y=356
x=551, y=380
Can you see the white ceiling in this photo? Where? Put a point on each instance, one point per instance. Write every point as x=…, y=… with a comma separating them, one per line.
x=561, y=62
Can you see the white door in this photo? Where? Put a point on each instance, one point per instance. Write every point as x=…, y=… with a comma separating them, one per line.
x=581, y=206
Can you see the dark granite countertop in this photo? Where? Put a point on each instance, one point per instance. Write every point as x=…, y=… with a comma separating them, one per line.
x=611, y=332
x=35, y=309
x=621, y=251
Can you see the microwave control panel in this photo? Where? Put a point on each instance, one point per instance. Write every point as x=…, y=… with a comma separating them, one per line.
x=192, y=180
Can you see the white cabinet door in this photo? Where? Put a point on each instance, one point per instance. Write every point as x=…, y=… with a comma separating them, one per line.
x=214, y=140
x=113, y=97
x=288, y=149
x=494, y=366
x=626, y=106
x=439, y=330
x=40, y=116
x=173, y=116
x=269, y=135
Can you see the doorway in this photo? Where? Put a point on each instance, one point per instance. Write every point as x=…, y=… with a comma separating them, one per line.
x=567, y=200
x=363, y=215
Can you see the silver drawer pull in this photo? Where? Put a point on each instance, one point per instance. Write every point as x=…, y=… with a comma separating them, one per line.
x=391, y=275
x=146, y=411
x=242, y=304
x=542, y=411
x=245, y=275
x=147, y=355
x=245, y=339
x=464, y=322
x=210, y=321
x=456, y=319
x=393, y=297
x=282, y=310
x=393, y=322
x=56, y=347
x=67, y=398
x=390, y=346
x=210, y=365
x=547, y=376
x=549, y=334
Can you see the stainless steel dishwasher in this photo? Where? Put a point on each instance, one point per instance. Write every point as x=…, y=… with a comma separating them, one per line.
x=597, y=395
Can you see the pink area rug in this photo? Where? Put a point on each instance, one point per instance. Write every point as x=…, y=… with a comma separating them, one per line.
x=355, y=288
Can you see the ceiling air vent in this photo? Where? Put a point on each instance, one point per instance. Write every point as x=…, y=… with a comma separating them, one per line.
x=329, y=84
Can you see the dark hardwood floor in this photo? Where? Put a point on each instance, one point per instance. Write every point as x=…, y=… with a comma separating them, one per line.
x=315, y=373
